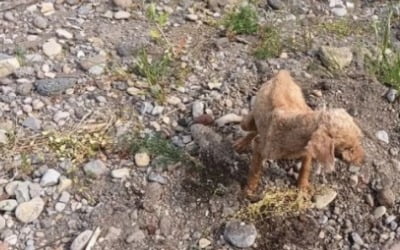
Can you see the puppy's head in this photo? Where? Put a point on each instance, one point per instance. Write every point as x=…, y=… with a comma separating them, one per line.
x=322, y=148
x=348, y=137
x=354, y=154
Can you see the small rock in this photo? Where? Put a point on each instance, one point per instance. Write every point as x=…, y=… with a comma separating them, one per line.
x=95, y=168
x=3, y=137
x=81, y=240
x=10, y=187
x=60, y=115
x=113, y=234
x=32, y=123
x=173, y=100
x=90, y=62
x=339, y=11
x=142, y=159
x=391, y=95
x=229, y=118
x=336, y=58
x=383, y=136
x=2, y=223
x=357, y=239
x=133, y=91
x=24, y=89
x=64, y=183
x=8, y=65
x=47, y=8
x=64, y=34
x=96, y=70
x=123, y=3
x=52, y=48
x=136, y=236
x=60, y=206
x=40, y=22
x=390, y=219
x=379, y=212
x=29, y=211
x=48, y=87
x=122, y=15
x=35, y=190
x=50, y=178
x=197, y=109
x=192, y=17
x=154, y=177
x=276, y=4
x=8, y=16
x=64, y=198
x=37, y=104
x=240, y=234
x=386, y=197
x=8, y=205
x=121, y=173
x=324, y=199
x=166, y=225
x=204, y=243
x=22, y=192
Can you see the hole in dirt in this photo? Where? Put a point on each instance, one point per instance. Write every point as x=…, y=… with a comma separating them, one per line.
x=297, y=231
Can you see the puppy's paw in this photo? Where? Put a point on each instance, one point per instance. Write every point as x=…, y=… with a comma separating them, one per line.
x=241, y=145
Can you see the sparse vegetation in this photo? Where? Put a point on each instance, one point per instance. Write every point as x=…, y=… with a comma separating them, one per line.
x=271, y=44
x=386, y=65
x=242, y=21
x=154, y=71
x=21, y=55
x=159, y=19
x=155, y=145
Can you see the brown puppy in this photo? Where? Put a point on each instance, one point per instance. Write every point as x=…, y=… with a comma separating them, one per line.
x=282, y=126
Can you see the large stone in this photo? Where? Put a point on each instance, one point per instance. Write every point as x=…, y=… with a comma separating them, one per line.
x=8, y=65
x=336, y=58
x=240, y=234
x=48, y=87
x=29, y=211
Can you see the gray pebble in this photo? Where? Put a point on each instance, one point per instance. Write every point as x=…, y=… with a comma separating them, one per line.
x=48, y=87
x=240, y=234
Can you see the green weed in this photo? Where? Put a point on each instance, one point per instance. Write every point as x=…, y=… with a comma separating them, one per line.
x=242, y=21
x=271, y=44
x=158, y=147
x=153, y=70
x=385, y=66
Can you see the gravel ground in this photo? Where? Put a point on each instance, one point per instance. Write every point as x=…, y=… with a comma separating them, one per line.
x=78, y=101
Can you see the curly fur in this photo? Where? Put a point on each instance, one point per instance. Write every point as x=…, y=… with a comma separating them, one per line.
x=282, y=126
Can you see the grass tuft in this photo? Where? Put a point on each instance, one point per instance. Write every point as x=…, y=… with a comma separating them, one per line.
x=271, y=44
x=161, y=148
x=385, y=66
x=242, y=21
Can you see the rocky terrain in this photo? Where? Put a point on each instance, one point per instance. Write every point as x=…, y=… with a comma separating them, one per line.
x=117, y=119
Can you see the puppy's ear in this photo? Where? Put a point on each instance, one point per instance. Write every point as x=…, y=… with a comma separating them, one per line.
x=321, y=147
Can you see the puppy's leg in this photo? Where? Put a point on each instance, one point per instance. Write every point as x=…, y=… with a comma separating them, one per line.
x=305, y=171
x=243, y=143
x=255, y=169
x=248, y=124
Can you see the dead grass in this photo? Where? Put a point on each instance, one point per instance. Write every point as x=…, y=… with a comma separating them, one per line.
x=276, y=202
